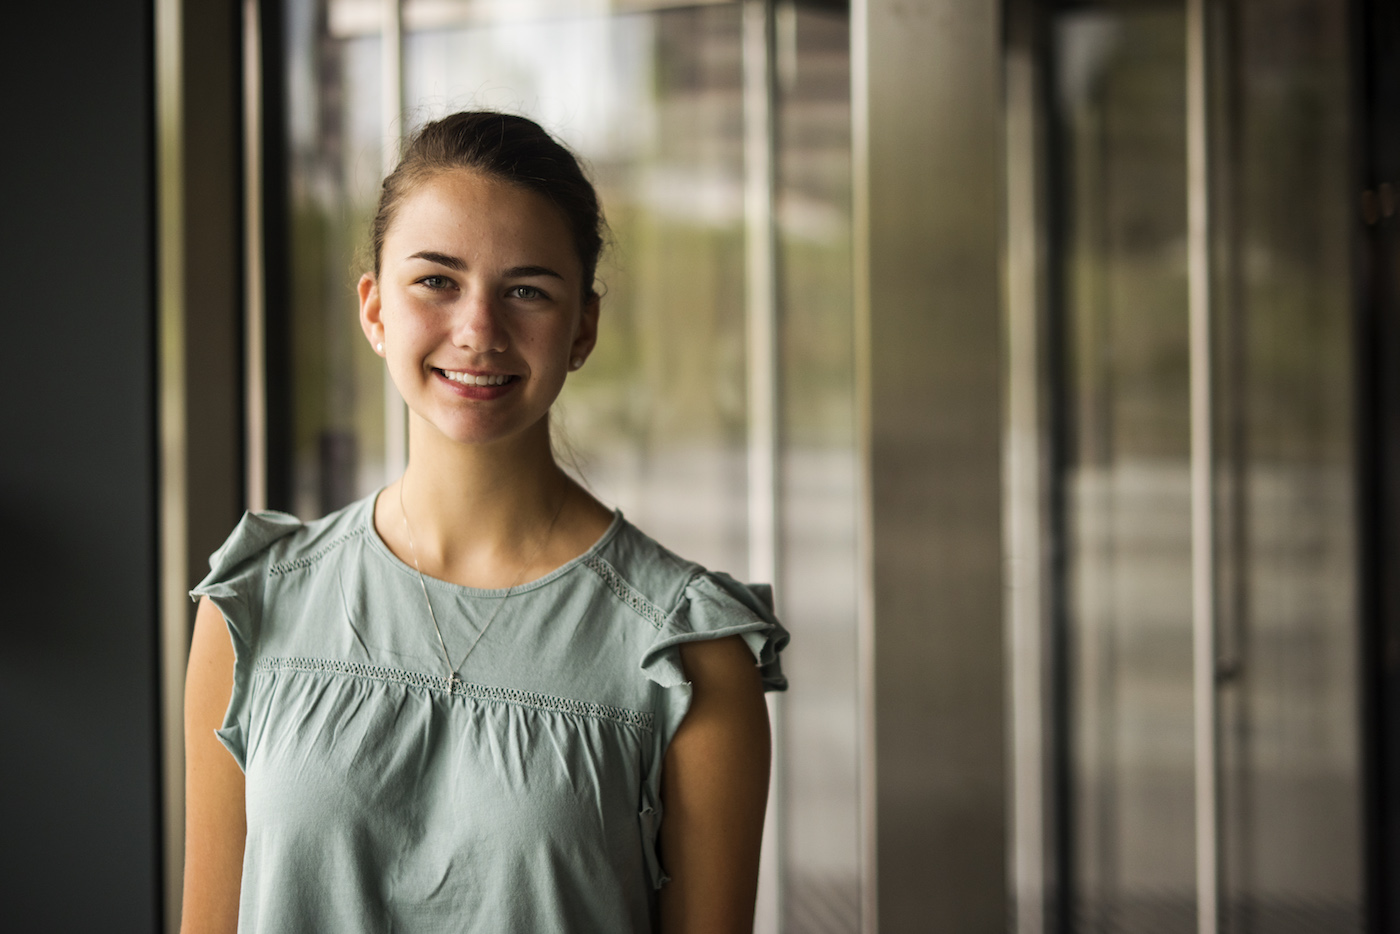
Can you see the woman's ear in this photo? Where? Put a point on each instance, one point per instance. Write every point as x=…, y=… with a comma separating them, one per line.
x=370, y=321
x=587, y=334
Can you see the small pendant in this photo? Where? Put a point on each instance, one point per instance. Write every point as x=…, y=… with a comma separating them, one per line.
x=453, y=682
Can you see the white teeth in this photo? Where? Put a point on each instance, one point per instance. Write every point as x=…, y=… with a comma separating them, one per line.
x=467, y=379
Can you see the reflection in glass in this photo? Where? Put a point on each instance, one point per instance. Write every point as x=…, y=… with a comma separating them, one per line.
x=656, y=421
x=817, y=443
x=1121, y=112
x=336, y=137
x=1289, y=702
x=1287, y=679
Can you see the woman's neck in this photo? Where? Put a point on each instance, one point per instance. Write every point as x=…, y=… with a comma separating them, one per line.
x=487, y=515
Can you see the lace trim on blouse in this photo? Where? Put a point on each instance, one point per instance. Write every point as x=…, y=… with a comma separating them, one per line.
x=298, y=564
x=634, y=718
x=625, y=592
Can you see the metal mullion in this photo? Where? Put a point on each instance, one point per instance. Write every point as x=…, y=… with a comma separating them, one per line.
x=1026, y=518
x=862, y=340
x=761, y=297
x=392, y=106
x=254, y=268
x=1203, y=533
x=174, y=487
x=761, y=314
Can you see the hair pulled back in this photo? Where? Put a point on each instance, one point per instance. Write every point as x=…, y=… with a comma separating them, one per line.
x=511, y=149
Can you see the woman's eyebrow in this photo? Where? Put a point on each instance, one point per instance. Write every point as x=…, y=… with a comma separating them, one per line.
x=525, y=272
x=442, y=259
x=459, y=265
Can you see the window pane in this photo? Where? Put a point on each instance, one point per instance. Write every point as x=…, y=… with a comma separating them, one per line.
x=1290, y=823
x=818, y=535
x=1120, y=110
x=336, y=137
x=656, y=421
x=1289, y=727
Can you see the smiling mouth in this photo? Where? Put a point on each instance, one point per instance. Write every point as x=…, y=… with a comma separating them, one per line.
x=469, y=379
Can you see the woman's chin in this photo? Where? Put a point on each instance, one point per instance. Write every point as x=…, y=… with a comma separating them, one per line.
x=486, y=432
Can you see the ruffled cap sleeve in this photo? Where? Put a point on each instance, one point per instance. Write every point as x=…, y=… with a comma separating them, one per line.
x=713, y=606
x=234, y=584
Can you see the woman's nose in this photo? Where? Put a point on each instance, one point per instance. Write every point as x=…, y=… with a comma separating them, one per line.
x=477, y=323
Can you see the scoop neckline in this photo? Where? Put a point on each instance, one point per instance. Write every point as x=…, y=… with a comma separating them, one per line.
x=373, y=534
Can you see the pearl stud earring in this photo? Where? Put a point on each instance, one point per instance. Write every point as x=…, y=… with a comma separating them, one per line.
x=575, y=363
x=379, y=347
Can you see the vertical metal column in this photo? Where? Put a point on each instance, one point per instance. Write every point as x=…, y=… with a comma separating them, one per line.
x=928, y=128
x=199, y=324
x=1025, y=481
x=865, y=494
x=761, y=311
x=391, y=90
x=1203, y=569
x=174, y=492
x=254, y=271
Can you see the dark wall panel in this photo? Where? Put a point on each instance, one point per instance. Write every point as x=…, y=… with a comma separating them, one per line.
x=78, y=756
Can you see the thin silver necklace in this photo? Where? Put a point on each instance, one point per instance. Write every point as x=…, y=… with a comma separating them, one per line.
x=452, y=679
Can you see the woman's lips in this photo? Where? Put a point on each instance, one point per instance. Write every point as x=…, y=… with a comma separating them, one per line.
x=483, y=386
x=476, y=379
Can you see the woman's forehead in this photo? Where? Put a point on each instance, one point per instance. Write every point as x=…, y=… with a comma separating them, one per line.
x=468, y=210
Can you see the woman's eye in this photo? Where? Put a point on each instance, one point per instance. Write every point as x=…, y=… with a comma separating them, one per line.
x=525, y=291
x=436, y=282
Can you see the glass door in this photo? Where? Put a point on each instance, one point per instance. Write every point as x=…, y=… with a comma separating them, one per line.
x=1120, y=121
x=1268, y=797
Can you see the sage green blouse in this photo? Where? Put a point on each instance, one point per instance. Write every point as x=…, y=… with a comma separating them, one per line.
x=523, y=797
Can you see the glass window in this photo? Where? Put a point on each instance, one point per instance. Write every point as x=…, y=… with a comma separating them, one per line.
x=817, y=539
x=650, y=95
x=336, y=140
x=1290, y=683
x=1287, y=681
x=1120, y=109
x=656, y=422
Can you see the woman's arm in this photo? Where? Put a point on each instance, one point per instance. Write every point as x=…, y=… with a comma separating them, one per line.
x=714, y=786
x=215, y=820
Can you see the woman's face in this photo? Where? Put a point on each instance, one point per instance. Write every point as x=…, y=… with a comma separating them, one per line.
x=478, y=305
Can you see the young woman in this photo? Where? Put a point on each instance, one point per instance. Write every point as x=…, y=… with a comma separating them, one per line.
x=478, y=700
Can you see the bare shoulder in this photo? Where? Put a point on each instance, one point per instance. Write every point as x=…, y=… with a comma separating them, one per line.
x=714, y=790
x=209, y=678
x=725, y=665
x=215, y=825
x=727, y=716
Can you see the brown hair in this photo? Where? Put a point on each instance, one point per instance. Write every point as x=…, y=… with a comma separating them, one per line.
x=507, y=147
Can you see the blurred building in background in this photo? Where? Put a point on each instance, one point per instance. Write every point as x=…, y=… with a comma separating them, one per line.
x=1045, y=354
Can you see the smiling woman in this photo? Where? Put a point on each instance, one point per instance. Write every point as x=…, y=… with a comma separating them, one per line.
x=483, y=701
x=478, y=296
